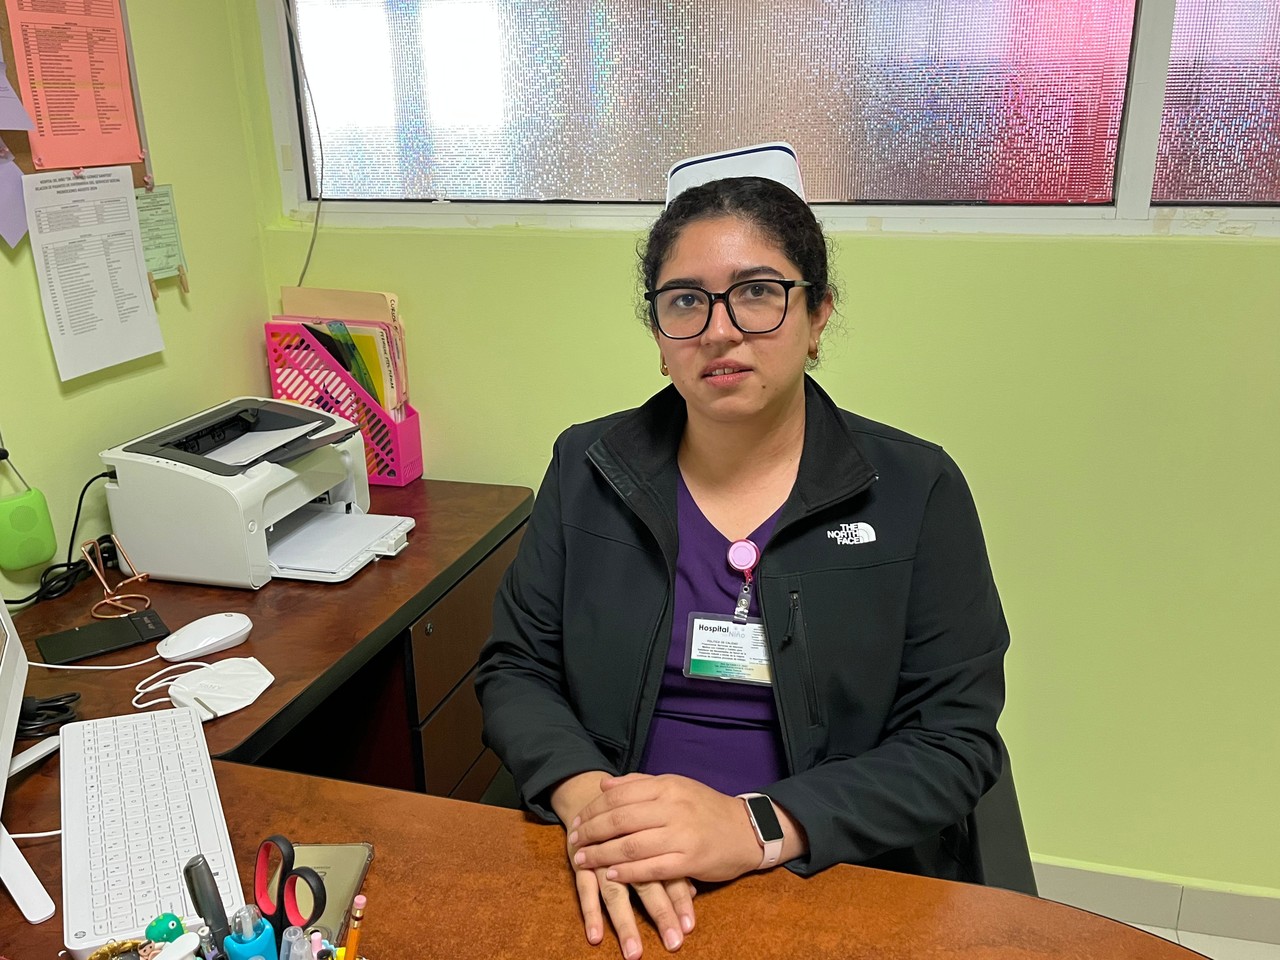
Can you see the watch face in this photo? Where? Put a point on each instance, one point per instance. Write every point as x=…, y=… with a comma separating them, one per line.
x=765, y=819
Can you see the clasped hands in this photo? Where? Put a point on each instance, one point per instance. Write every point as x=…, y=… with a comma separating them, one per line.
x=653, y=834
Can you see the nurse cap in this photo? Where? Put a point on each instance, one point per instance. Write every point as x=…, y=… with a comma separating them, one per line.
x=772, y=161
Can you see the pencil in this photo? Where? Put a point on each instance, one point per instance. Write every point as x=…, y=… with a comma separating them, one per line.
x=353, y=934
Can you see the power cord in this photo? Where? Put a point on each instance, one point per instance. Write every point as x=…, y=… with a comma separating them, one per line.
x=58, y=578
x=69, y=666
x=41, y=717
x=291, y=28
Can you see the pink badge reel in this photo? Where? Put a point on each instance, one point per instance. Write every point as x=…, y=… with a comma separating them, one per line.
x=743, y=556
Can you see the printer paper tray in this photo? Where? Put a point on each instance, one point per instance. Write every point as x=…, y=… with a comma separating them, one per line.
x=326, y=544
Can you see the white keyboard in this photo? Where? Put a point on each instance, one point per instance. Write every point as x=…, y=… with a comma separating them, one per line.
x=138, y=801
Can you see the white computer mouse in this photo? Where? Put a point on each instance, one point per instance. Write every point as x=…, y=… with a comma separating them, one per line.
x=218, y=631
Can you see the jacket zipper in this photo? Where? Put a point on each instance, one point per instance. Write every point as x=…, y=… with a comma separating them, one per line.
x=795, y=624
x=633, y=753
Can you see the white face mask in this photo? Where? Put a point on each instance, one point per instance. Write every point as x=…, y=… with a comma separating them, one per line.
x=214, y=690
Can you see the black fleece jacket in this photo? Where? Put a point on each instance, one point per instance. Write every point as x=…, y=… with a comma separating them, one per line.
x=885, y=632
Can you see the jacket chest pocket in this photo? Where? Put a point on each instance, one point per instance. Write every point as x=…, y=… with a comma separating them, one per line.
x=840, y=650
x=795, y=645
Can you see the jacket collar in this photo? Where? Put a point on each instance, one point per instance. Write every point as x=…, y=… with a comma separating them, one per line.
x=637, y=455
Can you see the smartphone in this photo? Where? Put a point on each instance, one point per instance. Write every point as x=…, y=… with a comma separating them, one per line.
x=102, y=636
x=342, y=866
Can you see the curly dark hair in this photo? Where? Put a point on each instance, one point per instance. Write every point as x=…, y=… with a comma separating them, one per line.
x=772, y=208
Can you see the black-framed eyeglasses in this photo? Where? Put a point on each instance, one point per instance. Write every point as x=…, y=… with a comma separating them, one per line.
x=754, y=306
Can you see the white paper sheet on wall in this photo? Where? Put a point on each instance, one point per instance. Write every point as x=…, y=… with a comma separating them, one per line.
x=89, y=260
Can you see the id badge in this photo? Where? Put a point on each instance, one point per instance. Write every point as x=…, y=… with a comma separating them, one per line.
x=719, y=648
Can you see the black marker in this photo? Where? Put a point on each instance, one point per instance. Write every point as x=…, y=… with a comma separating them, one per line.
x=204, y=895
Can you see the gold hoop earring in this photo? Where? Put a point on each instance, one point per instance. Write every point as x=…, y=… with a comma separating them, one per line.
x=663, y=368
x=813, y=352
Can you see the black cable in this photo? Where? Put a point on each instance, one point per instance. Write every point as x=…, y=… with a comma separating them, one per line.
x=39, y=718
x=58, y=578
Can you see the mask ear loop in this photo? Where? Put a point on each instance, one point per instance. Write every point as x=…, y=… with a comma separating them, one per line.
x=144, y=687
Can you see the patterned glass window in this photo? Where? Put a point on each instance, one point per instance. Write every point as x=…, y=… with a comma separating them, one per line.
x=902, y=101
x=1220, y=130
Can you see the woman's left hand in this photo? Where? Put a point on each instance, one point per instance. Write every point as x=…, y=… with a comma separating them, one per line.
x=646, y=828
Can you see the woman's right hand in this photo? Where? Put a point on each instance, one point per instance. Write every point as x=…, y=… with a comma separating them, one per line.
x=669, y=903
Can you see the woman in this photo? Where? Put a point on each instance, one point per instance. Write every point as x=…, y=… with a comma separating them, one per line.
x=647, y=666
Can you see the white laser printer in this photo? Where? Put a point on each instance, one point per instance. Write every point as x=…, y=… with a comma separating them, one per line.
x=248, y=490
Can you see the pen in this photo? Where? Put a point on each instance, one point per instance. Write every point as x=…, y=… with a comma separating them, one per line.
x=353, y=933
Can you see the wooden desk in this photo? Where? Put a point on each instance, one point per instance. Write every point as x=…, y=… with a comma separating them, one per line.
x=460, y=880
x=373, y=676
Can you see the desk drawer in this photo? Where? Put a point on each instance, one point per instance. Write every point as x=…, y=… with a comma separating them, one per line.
x=478, y=778
x=446, y=640
x=451, y=741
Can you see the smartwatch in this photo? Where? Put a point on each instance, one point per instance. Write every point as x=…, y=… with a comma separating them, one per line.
x=764, y=820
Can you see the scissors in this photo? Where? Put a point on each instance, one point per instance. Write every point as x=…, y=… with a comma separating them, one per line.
x=282, y=909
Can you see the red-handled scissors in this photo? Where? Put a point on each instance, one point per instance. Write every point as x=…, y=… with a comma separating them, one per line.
x=282, y=908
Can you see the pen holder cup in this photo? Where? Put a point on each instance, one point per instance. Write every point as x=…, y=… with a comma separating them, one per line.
x=305, y=372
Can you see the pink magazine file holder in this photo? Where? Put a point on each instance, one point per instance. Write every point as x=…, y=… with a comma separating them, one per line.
x=305, y=372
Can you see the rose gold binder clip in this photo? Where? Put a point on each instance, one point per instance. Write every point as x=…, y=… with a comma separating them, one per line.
x=115, y=601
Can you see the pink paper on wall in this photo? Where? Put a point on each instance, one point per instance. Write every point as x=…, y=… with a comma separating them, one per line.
x=73, y=71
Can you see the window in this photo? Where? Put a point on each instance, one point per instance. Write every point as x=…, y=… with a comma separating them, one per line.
x=1220, y=129
x=895, y=101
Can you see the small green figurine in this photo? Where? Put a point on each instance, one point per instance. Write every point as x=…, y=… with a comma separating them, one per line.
x=165, y=928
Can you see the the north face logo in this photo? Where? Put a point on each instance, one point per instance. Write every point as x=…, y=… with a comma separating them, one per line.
x=852, y=533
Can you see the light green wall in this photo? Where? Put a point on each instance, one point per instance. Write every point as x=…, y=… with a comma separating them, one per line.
x=199, y=142
x=1113, y=402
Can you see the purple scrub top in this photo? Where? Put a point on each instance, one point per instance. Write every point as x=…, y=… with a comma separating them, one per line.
x=725, y=735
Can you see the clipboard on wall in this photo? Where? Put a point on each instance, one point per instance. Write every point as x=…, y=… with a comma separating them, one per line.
x=19, y=142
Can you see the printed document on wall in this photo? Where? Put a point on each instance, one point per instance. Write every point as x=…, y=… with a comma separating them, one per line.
x=73, y=72
x=93, y=276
